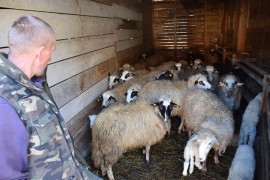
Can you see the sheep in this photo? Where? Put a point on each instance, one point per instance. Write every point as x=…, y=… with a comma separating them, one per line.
x=243, y=164
x=163, y=66
x=132, y=93
x=165, y=75
x=212, y=56
x=127, y=67
x=249, y=121
x=229, y=91
x=205, y=114
x=113, y=80
x=118, y=93
x=120, y=128
x=175, y=90
x=191, y=151
x=126, y=75
x=197, y=66
x=212, y=75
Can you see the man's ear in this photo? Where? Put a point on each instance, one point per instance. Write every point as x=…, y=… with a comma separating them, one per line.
x=40, y=51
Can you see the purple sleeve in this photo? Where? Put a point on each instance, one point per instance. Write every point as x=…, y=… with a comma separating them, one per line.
x=14, y=139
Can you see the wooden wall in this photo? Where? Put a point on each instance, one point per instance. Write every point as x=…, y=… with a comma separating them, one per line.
x=247, y=28
x=93, y=38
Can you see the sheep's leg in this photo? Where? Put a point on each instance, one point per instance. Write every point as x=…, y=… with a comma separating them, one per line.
x=216, y=157
x=102, y=167
x=191, y=167
x=251, y=139
x=109, y=170
x=147, y=157
x=186, y=164
x=197, y=163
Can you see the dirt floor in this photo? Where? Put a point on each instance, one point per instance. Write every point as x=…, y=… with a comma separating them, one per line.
x=167, y=161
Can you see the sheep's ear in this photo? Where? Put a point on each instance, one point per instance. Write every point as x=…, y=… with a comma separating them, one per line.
x=109, y=74
x=110, y=98
x=240, y=84
x=174, y=104
x=99, y=98
x=221, y=84
x=125, y=94
x=157, y=103
x=194, y=136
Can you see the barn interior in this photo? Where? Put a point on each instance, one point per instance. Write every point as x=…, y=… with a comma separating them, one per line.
x=97, y=37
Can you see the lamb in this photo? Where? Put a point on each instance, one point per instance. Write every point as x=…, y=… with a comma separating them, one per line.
x=132, y=93
x=250, y=121
x=229, y=91
x=120, y=128
x=113, y=80
x=175, y=90
x=243, y=164
x=191, y=151
x=204, y=113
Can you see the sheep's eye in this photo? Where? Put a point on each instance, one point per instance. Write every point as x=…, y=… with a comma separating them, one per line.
x=226, y=84
x=201, y=83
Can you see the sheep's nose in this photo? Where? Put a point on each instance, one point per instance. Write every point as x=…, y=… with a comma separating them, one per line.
x=103, y=106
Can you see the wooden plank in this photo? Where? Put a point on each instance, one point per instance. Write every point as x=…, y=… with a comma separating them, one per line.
x=125, y=24
x=121, y=45
x=125, y=13
x=71, y=26
x=108, y=2
x=80, y=7
x=124, y=34
x=129, y=55
x=73, y=107
x=72, y=87
x=73, y=47
x=78, y=64
x=83, y=141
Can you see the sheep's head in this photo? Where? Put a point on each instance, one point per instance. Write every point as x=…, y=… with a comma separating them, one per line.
x=230, y=84
x=197, y=65
x=125, y=76
x=199, y=81
x=165, y=75
x=178, y=67
x=107, y=98
x=127, y=67
x=165, y=106
x=205, y=144
x=113, y=81
x=209, y=72
x=132, y=93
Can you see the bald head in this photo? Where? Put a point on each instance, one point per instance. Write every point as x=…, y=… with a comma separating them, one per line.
x=30, y=32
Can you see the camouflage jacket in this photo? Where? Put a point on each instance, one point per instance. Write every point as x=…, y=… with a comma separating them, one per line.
x=50, y=150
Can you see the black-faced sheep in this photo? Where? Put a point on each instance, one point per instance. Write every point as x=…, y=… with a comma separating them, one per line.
x=250, y=120
x=243, y=164
x=120, y=128
x=175, y=90
x=211, y=120
x=113, y=80
x=133, y=93
x=229, y=91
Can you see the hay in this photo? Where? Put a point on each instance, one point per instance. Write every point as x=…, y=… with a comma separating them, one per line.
x=167, y=161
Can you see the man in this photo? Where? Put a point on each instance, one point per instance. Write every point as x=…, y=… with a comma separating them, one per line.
x=34, y=141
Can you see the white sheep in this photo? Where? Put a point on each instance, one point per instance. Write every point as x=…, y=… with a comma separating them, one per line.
x=243, y=164
x=204, y=113
x=113, y=80
x=249, y=121
x=175, y=90
x=229, y=91
x=133, y=93
x=120, y=128
x=126, y=75
x=191, y=152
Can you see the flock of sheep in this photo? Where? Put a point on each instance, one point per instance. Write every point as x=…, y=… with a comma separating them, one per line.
x=139, y=103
